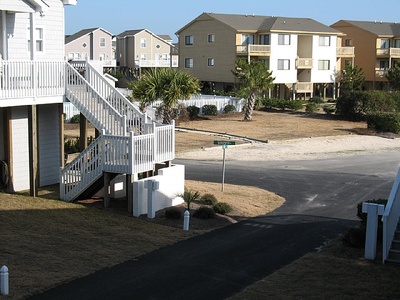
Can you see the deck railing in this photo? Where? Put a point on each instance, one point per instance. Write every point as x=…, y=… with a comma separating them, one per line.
x=25, y=79
x=304, y=63
x=92, y=105
x=116, y=154
x=262, y=50
x=393, y=52
x=391, y=216
x=345, y=51
x=134, y=117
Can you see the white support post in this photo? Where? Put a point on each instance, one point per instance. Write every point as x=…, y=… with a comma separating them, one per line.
x=372, y=210
x=152, y=186
x=4, y=281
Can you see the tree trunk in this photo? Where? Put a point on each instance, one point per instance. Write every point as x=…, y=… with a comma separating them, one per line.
x=248, y=109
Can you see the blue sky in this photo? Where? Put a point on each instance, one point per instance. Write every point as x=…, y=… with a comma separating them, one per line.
x=168, y=16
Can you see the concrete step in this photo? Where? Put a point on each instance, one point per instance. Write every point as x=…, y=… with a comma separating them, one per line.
x=394, y=255
x=395, y=245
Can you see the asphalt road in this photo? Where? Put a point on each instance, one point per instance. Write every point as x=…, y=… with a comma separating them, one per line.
x=321, y=198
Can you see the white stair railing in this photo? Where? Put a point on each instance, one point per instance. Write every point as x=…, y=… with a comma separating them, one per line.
x=92, y=105
x=391, y=216
x=135, y=118
x=116, y=154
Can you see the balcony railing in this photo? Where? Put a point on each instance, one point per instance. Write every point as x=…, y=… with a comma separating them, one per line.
x=304, y=63
x=304, y=87
x=27, y=79
x=392, y=52
x=253, y=50
x=345, y=52
x=156, y=63
x=381, y=73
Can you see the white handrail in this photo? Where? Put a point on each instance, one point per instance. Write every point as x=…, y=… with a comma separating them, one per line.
x=391, y=216
x=92, y=105
x=135, y=118
x=22, y=79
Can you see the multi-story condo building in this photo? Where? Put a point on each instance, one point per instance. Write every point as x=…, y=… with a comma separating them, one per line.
x=301, y=52
x=95, y=44
x=137, y=49
x=35, y=80
x=377, y=48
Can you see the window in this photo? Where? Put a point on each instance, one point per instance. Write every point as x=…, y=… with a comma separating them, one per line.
x=189, y=40
x=143, y=56
x=247, y=39
x=384, y=64
x=324, y=40
x=348, y=42
x=265, y=62
x=397, y=43
x=39, y=39
x=283, y=64
x=102, y=56
x=143, y=43
x=264, y=39
x=385, y=43
x=211, y=38
x=210, y=62
x=188, y=63
x=283, y=39
x=323, y=64
x=74, y=55
x=102, y=42
x=348, y=62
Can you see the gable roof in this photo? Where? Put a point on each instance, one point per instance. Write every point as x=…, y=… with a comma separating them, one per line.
x=267, y=23
x=164, y=37
x=129, y=33
x=82, y=33
x=378, y=28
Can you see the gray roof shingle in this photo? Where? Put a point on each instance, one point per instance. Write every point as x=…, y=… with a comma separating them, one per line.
x=378, y=28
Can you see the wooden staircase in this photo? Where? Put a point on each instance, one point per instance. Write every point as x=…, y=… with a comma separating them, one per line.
x=394, y=252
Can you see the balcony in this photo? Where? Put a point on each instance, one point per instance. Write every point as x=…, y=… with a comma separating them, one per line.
x=345, y=52
x=253, y=50
x=304, y=87
x=156, y=63
x=304, y=63
x=31, y=79
x=388, y=52
x=381, y=73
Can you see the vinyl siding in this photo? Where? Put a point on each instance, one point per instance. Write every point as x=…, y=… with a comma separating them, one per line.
x=49, y=144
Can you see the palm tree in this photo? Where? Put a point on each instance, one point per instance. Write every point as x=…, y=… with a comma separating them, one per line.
x=189, y=196
x=169, y=85
x=254, y=79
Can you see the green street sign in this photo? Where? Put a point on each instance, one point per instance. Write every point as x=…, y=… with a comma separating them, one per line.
x=224, y=143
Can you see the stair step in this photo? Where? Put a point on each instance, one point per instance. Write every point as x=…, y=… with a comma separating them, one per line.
x=394, y=254
x=393, y=261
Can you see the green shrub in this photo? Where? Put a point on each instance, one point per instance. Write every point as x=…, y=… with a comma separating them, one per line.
x=354, y=237
x=75, y=119
x=294, y=104
x=204, y=212
x=317, y=100
x=189, y=196
x=230, y=108
x=173, y=213
x=208, y=199
x=222, y=208
x=329, y=109
x=384, y=121
x=71, y=146
x=210, y=110
x=311, y=107
x=269, y=103
x=193, y=111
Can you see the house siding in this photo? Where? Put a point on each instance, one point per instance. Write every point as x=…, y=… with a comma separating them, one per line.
x=20, y=146
x=49, y=144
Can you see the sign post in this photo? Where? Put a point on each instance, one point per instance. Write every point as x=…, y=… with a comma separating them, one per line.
x=224, y=147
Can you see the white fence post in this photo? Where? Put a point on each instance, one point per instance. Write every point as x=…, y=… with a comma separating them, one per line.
x=186, y=220
x=372, y=210
x=4, y=281
x=152, y=186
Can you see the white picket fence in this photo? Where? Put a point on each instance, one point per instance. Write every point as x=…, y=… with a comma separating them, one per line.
x=196, y=100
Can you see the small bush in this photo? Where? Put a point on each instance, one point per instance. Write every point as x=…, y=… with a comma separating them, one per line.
x=208, y=199
x=75, y=119
x=269, y=103
x=210, y=110
x=294, y=104
x=354, y=237
x=384, y=121
x=329, y=109
x=311, y=107
x=222, y=208
x=316, y=100
x=204, y=212
x=173, y=213
x=193, y=111
x=230, y=108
